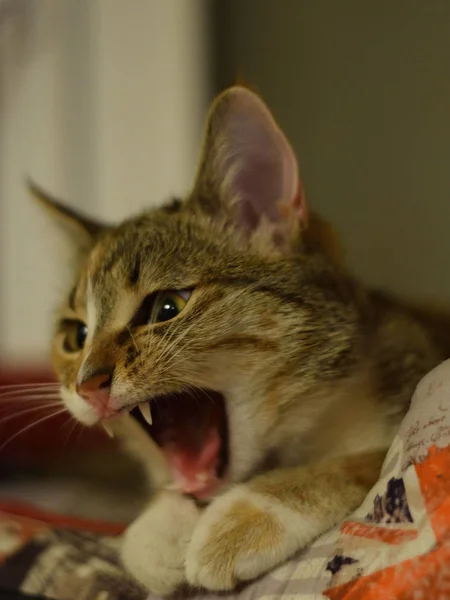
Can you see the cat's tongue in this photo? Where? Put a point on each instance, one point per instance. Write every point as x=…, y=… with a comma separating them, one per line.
x=191, y=442
x=195, y=472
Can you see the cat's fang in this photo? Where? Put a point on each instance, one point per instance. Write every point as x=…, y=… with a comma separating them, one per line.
x=108, y=430
x=146, y=412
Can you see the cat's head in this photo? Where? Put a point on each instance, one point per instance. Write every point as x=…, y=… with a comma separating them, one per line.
x=210, y=316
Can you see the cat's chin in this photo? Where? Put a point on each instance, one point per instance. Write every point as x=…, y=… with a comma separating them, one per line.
x=191, y=429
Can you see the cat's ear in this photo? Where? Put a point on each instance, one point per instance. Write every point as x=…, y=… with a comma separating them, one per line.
x=83, y=231
x=249, y=169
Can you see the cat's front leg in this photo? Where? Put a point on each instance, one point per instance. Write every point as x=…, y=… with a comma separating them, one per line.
x=258, y=525
x=154, y=546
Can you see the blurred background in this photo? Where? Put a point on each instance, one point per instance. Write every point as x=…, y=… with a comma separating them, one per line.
x=102, y=103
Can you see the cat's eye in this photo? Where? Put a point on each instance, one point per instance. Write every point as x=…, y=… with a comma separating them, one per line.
x=75, y=336
x=161, y=306
x=167, y=305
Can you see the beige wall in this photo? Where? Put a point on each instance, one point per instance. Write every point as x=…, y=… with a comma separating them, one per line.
x=363, y=90
x=101, y=102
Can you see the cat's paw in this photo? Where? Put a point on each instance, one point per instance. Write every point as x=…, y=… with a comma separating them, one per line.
x=241, y=536
x=154, y=546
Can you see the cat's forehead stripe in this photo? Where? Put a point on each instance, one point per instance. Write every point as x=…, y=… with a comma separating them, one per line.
x=71, y=299
x=115, y=255
x=135, y=270
x=76, y=300
x=123, y=251
x=91, y=311
x=111, y=301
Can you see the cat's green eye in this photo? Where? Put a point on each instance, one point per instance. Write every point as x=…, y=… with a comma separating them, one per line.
x=168, y=305
x=75, y=336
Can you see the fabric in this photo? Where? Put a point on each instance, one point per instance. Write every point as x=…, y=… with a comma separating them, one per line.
x=56, y=557
x=396, y=545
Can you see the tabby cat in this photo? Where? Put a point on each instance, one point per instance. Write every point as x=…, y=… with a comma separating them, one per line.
x=221, y=338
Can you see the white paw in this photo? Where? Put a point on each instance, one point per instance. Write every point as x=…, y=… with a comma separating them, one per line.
x=154, y=546
x=241, y=536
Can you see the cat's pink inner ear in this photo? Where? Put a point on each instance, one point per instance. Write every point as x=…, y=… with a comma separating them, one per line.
x=257, y=163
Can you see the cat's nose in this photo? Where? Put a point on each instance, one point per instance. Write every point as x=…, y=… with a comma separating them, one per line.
x=95, y=389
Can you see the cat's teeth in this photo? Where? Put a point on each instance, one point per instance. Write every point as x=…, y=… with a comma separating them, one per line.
x=202, y=477
x=108, y=430
x=146, y=412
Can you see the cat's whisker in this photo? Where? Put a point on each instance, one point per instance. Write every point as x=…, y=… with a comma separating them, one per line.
x=190, y=392
x=159, y=342
x=27, y=393
x=72, y=430
x=132, y=338
x=167, y=337
x=18, y=386
x=177, y=350
x=176, y=341
x=28, y=427
x=37, y=393
x=81, y=431
x=40, y=390
x=195, y=392
x=34, y=409
x=185, y=331
x=209, y=397
x=18, y=400
x=8, y=408
x=180, y=338
x=38, y=400
x=33, y=388
x=170, y=342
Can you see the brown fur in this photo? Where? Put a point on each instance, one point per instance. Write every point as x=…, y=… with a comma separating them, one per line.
x=317, y=369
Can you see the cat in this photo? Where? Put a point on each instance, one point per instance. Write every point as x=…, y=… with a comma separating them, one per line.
x=223, y=341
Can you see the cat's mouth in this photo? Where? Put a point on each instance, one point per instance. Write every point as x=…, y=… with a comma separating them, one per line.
x=192, y=431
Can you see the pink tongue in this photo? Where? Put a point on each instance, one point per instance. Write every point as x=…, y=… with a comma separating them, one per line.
x=195, y=472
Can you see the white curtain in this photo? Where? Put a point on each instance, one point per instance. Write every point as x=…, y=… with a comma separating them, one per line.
x=101, y=102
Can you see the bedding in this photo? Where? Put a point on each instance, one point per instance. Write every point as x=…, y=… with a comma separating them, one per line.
x=396, y=545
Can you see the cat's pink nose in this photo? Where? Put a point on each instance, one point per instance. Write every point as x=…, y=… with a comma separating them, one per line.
x=95, y=389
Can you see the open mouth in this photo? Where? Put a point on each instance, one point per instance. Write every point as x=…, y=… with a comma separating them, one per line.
x=192, y=431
